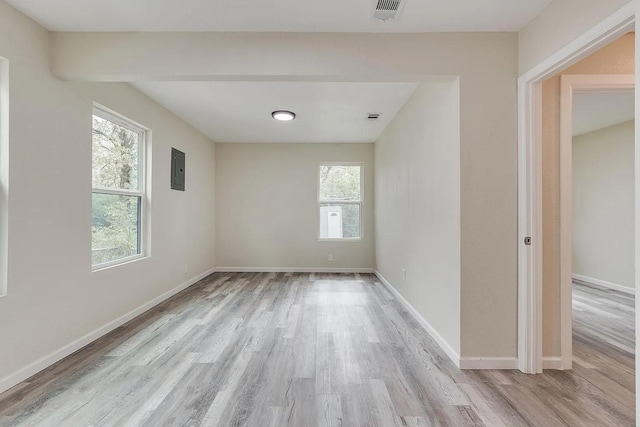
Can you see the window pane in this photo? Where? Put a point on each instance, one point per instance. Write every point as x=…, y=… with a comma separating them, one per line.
x=115, y=231
x=340, y=221
x=115, y=156
x=339, y=183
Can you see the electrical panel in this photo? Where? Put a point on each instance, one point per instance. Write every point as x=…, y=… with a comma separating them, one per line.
x=177, y=169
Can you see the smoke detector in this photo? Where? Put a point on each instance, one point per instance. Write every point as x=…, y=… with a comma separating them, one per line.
x=373, y=116
x=387, y=9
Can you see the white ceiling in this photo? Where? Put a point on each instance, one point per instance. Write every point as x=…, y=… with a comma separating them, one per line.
x=278, y=15
x=594, y=111
x=241, y=111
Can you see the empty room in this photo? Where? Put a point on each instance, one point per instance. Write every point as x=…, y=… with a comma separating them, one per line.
x=296, y=214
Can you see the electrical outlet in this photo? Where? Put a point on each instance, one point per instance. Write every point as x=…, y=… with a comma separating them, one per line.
x=330, y=258
x=404, y=274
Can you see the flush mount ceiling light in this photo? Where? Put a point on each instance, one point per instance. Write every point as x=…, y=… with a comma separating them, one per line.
x=283, y=115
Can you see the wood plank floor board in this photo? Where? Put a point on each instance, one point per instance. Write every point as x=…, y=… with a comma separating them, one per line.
x=490, y=407
x=302, y=408
x=403, y=399
x=187, y=401
x=320, y=349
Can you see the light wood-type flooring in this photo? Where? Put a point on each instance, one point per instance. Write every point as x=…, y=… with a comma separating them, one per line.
x=267, y=349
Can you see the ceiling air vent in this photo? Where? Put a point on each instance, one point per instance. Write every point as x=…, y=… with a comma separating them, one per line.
x=373, y=116
x=387, y=9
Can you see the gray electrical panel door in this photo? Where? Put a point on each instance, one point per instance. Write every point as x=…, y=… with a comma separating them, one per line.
x=177, y=169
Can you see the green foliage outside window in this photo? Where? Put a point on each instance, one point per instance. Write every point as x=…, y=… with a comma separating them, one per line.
x=115, y=228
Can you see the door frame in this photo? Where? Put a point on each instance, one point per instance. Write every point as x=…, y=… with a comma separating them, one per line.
x=570, y=84
x=530, y=358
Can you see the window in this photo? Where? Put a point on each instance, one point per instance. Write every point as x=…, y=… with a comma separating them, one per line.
x=118, y=199
x=340, y=201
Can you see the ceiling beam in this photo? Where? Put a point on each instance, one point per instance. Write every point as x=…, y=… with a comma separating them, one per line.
x=280, y=56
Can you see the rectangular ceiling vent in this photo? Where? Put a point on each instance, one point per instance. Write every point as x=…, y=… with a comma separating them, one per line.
x=387, y=9
x=373, y=116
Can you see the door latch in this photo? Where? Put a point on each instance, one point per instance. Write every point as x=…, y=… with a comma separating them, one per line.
x=527, y=241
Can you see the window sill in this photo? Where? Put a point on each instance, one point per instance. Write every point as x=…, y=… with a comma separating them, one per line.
x=342, y=240
x=117, y=263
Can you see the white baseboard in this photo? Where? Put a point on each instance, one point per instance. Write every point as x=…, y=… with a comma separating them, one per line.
x=12, y=380
x=604, y=284
x=489, y=363
x=293, y=270
x=554, y=362
x=444, y=345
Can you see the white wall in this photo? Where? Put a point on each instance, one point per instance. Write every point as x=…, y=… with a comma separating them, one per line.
x=418, y=206
x=603, y=205
x=267, y=209
x=53, y=297
x=559, y=24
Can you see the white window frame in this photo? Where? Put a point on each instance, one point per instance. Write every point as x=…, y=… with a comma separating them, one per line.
x=120, y=120
x=334, y=202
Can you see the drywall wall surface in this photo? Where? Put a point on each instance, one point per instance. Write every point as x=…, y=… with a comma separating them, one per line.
x=53, y=296
x=604, y=205
x=489, y=247
x=267, y=212
x=295, y=56
x=487, y=65
x=418, y=206
x=559, y=24
x=616, y=58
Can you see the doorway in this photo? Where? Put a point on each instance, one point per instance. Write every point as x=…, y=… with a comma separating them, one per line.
x=530, y=305
x=597, y=245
